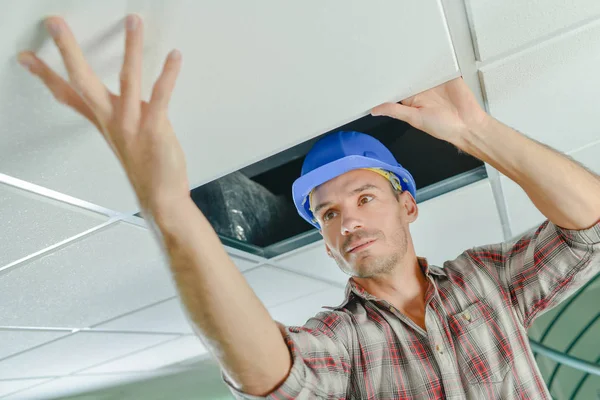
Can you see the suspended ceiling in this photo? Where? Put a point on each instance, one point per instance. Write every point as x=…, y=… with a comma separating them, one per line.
x=86, y=299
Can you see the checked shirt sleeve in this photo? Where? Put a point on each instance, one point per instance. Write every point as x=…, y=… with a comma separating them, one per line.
x=547, y=265
x=320, y=361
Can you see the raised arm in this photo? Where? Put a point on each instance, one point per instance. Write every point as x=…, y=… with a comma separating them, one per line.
x=547, y=264
x=565, y=192
x=231, y=320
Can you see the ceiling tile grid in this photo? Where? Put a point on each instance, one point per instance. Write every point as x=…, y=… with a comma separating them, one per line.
x=452, y=223
x=522, y=213
x=275, y=286
x=312, y=261
x=18, y=340
x=549, y=92
x=244, y=263
x=11, y=386
x=76, y=352
x=297, y=312
x=31, y=222
x=71, y=385
x=538, y=72
x=589, y=156
x=109, y=273
x=165, y=317
x=160, y=356
x=500, y=27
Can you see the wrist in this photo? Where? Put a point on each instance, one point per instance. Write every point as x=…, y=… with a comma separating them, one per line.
x=169, y=212
x=474, y=131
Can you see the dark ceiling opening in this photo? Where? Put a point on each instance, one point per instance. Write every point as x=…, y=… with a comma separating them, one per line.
x=252, y=208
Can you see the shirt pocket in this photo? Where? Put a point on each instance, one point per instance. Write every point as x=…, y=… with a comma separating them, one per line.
x=483, y=349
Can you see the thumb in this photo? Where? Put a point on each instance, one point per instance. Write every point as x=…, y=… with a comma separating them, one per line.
x=397, y=111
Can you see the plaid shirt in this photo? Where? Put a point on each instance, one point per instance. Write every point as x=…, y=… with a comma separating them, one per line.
x=478, y=309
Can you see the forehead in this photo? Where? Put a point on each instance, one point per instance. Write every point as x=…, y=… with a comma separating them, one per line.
x=347, y=182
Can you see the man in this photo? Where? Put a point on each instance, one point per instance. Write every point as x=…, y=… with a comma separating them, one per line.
x=406, y=329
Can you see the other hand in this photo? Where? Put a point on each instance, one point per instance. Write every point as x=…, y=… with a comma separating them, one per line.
x=446, y=111
x=138, y=132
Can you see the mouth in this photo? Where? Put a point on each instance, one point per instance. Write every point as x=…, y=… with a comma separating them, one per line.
x=360, y=247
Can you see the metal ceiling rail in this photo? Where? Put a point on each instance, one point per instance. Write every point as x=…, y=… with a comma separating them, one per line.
x=565, y=307
x=571, y=345
x=581, y=382
x=565, y=359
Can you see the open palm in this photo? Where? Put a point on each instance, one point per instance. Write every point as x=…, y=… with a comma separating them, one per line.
x=138, y=132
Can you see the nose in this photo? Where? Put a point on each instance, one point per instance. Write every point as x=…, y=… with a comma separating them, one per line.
x=350, y=224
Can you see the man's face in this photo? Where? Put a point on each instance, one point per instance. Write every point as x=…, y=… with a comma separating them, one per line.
x=359, y=208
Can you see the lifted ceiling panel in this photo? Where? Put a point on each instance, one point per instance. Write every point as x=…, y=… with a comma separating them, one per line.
x=257, y=78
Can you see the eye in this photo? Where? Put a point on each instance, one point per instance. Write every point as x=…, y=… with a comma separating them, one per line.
x=328, y=215
x=367, y=197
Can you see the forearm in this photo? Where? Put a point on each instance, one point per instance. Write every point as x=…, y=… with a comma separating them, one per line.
x=566, y=193
x=230, y=318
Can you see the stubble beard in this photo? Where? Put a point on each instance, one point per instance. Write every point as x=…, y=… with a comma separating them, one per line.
x=368, y=266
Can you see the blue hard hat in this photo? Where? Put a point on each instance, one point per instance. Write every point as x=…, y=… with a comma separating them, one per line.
x=338, y=153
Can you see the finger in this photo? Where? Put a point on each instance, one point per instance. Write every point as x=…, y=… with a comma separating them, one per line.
x=82, y=78
x=408, y=101
x=398, y=111
x=60, y=89
x=131, y=73
x=163, y=88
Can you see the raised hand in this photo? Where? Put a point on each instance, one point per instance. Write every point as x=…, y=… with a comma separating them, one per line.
x=138, y=132
x=445, y=111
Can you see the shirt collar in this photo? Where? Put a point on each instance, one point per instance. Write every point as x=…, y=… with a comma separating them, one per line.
x=354, y=289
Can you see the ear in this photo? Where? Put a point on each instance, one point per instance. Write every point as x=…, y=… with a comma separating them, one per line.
x=410, y=206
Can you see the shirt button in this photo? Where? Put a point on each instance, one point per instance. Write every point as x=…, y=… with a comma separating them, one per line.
x=467, y=316
x=439, y=349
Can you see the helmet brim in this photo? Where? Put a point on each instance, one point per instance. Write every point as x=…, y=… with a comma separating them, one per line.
x=306, y=183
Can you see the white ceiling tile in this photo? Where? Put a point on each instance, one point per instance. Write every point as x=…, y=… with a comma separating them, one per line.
x=47, y=143
x=160, y=356
x=107, y=274
x=312, y=260
x=71, y=385
x=244, y=256
x=500, y=26
x=192, y=362
x=75, y=352
x=550, y=92
x=31, y=222
x=329, y=66
x=243, y=264
x=239, y=59
x=589, y=156
x=297, y=312
x=275, y=286
x=523, y=215
x=167, y=317
x=14, y=341
x=454, y=222
x=7, y=387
